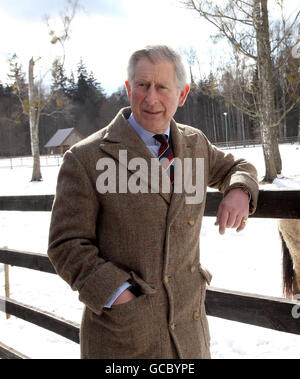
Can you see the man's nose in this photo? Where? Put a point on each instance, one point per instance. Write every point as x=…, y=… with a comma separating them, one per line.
x=151, y=97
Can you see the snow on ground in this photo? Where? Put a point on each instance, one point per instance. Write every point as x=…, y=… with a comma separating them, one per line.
x=249, y=261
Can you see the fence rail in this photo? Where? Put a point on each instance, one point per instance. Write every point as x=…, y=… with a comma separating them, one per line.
x=263, y=311
x=271, y=203
x=46, y=320
x=33, y=261
x=9, y=353
x=27, y=161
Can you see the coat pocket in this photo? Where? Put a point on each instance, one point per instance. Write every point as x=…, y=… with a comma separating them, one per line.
x=130, y=306
x=123, y=318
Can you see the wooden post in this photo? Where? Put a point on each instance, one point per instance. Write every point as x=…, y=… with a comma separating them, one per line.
x=6, y=276
x=7, y=290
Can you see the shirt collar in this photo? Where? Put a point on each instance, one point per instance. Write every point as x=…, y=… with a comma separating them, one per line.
x=144, y=134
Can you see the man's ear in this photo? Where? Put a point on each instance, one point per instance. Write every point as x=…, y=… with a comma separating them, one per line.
x=183, y=95
x=128, y=88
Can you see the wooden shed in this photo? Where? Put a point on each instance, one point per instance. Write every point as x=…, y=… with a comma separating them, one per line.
x=62, y=140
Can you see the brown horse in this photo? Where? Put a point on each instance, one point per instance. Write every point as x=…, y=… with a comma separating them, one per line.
x=289, y=231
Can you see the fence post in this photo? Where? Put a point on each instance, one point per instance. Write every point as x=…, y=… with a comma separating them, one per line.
x=7, y=290
x=6, y=276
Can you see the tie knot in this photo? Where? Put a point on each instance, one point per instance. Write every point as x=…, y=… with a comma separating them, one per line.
x=162, y=138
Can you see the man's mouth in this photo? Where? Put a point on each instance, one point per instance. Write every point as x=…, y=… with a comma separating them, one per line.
x=152, y=112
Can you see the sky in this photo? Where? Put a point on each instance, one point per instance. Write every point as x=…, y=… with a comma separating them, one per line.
x=104, y=33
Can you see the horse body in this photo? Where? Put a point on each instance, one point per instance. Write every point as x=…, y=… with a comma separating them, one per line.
x=289, y=230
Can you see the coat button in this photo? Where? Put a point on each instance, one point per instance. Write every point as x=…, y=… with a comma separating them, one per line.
x=193, y=268
x=172, y=326
x=166, y=279
x=196, y=315
x=191, y=222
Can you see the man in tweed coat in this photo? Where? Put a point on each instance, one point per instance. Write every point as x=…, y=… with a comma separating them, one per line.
x=132, y=255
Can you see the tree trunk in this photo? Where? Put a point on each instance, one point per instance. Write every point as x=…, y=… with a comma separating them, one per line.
x=269, y=132
x=34, y=125
x=283, y=102
x=214, y=121
x=243, y=128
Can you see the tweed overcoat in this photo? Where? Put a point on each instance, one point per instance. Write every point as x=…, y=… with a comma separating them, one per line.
x=97, y=241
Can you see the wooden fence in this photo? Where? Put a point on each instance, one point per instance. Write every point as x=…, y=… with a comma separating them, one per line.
x=253, y=142
x=27, y=161
x=263, y=311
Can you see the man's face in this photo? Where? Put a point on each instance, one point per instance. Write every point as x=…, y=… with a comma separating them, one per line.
x=154, y=95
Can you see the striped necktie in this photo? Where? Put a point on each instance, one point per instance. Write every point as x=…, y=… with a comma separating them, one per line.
x=166, y=155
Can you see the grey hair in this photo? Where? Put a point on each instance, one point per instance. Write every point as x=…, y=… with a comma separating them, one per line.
x=155, y=54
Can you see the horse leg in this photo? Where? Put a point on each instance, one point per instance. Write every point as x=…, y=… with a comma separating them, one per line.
x=287, y=270
x=289, y=230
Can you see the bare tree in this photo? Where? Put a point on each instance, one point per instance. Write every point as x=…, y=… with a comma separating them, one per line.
x=245, y=24
x=191, y=57
x=33, y=101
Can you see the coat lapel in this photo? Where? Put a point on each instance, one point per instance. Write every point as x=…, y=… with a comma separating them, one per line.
x=121, y=136
x=181, y=149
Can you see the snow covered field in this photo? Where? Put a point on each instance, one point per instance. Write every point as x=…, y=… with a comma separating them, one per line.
x=249, y=261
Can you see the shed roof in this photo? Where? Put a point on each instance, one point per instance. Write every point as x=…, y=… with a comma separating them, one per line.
x=59, y=137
